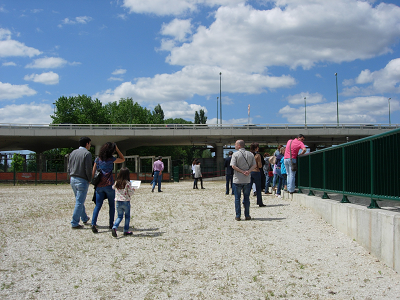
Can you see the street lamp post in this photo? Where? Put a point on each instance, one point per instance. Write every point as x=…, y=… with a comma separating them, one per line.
x=217, y=110
x=389, y=112
x=305, y=111
x=220, y=98
x=337, y=101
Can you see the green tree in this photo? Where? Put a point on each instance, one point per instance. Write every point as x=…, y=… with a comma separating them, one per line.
x=17, y=163
x=202, y=117
x=158, y=115
x=177, y=121
x=196, y=118
x=126, y=111
x=79, y=109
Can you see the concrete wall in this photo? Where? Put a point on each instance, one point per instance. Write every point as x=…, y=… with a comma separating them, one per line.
x=377, y=230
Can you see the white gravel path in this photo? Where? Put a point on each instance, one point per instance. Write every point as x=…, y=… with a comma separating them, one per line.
x=186, y=245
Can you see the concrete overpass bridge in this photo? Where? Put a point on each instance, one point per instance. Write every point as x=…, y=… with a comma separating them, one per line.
x=40, y=137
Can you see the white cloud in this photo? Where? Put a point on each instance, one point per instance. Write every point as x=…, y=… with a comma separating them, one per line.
x=181, y=109
x=193, y=80
x=178, y=29
x=357, y=110
x=26, y=113
x=119, y=72
x=9, y=91
x=77, y=20
x=299, y=34
x=385, y=80
x=9, y=47
x=47, y=63
x=310, y=98
x=115, y=79
x=48, y=78
x=173, y=7
x=9, y=63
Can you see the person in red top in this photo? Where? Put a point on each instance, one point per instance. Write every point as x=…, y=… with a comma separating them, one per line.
x=293, y=147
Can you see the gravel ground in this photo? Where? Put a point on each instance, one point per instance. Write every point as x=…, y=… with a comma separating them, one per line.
x=186, y=245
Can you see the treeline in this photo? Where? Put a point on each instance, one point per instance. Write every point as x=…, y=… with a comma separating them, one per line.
x=82, y=109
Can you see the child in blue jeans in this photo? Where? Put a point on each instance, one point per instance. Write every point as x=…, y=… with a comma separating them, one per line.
x=123, y=192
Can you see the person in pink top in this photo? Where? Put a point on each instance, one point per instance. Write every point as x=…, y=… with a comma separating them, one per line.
x=293, y=146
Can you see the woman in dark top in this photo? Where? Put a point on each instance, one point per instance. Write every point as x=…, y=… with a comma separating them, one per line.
x=105, y=163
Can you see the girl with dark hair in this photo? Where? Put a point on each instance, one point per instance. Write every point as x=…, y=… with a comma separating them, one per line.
x=123, y=192
x=105, y=163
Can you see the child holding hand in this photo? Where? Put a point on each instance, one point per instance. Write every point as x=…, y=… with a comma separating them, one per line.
x=123, y=192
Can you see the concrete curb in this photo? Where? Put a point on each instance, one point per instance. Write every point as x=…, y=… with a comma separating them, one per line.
x=377, y=230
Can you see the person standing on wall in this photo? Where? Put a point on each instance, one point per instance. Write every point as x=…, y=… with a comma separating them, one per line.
x=243, y=163
x=228, y=173
x=80, y=171
x=291, y=153
x=158, y=167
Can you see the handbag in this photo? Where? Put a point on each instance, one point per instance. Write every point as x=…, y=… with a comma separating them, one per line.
x=96, y=178
x=293, y=165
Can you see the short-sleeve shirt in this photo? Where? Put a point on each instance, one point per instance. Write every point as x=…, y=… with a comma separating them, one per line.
x=124, y=194
x=244, y=160
x=296, y=146
x=106, y=168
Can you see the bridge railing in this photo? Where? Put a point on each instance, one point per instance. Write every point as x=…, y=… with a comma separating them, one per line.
x=197, y=126
x=369, y=167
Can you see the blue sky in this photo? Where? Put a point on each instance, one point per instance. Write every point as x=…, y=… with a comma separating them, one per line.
x=272, y=55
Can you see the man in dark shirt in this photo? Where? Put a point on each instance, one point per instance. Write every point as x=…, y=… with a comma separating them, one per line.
x=228, y=172
x=80, y=171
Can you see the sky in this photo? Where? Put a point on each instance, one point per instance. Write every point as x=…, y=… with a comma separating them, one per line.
x=280, y=57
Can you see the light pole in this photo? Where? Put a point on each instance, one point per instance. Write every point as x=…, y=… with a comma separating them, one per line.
x=389, y=112
x=337, y=101
x=217, y=110
x=305, y=111
x=220, y=97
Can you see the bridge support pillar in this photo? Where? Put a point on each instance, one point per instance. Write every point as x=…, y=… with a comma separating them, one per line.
x=219, y=157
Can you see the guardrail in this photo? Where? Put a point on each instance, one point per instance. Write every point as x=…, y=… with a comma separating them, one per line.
x=368, y=167
x=197, y=126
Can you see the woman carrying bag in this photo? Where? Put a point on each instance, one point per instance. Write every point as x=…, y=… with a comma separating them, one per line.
x=105, y=164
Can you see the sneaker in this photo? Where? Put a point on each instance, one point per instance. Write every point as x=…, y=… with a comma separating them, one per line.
x=86, y=222
x=248, y=218
x=78, y=227
x=114, y=232
x=237, y=219
x=128, y=233
x=94, y=229
x=278, y=196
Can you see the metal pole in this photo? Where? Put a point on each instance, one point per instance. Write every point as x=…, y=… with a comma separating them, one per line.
x=220, y=98
x=389, y=112
x=217, y=110
x=305, y=111
x=337, y=101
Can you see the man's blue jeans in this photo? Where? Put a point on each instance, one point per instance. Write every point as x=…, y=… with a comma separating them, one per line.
x=123, y=207
x=157, y=179
x=267, y=182
x=256, y=179
x=229, y=180
x=291, y=175
x=80, y=187
x=101, y=194
x=238, y=187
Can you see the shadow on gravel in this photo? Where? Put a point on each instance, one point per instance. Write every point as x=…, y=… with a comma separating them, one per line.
x=267, y=219
x=149, y=234
x=276, y=205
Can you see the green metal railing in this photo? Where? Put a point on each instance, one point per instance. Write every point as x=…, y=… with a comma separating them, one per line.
x=368, y=167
